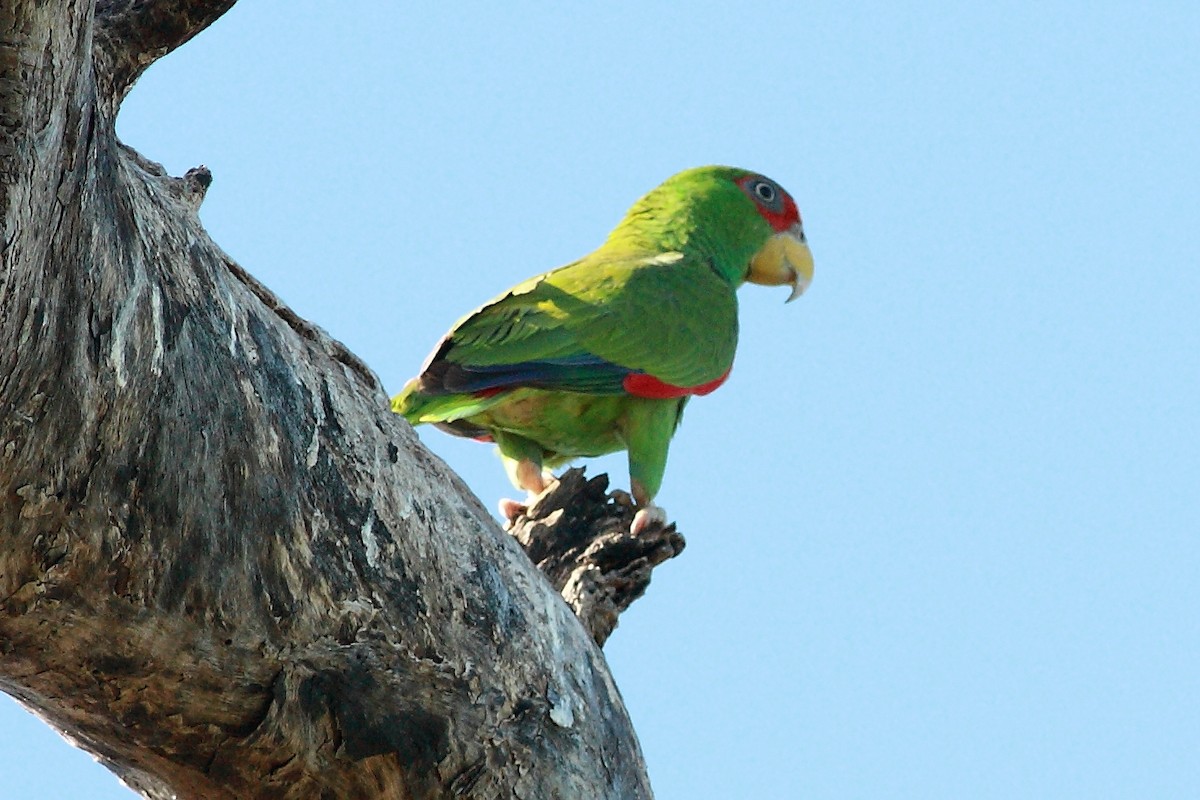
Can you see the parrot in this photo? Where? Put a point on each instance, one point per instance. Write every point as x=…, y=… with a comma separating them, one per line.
x=602, y=354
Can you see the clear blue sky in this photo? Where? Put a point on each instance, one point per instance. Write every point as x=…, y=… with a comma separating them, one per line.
x=944, y=520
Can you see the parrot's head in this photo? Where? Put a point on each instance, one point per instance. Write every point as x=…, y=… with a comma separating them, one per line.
x=744, y=223
x=784, y=258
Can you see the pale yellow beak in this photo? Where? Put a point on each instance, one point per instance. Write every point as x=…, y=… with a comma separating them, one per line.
x=785, y=258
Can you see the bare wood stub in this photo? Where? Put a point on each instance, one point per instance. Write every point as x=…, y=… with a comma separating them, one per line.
x=578, y=535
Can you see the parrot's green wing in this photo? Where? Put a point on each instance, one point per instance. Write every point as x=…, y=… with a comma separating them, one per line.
x=586, y=326
x=671, y=316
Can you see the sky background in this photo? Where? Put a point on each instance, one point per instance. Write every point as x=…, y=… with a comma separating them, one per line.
x=943, y=521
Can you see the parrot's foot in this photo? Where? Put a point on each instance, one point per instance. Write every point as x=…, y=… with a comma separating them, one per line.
x=530, y=476
x=511, y=509
x=646, y=517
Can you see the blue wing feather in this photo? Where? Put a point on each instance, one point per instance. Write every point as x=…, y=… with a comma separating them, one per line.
x=576, y=373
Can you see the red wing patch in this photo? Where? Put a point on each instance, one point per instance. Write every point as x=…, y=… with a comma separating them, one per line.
x=650, y=387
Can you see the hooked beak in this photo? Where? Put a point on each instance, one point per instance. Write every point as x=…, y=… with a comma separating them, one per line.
x=785, y=258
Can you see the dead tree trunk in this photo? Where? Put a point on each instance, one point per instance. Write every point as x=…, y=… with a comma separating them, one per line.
x=225, y=567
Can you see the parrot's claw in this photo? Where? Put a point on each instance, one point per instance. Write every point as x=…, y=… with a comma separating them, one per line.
x=646, y=517
x=511, y=509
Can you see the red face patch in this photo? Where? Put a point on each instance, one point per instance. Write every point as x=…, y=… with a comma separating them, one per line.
x=774, y=204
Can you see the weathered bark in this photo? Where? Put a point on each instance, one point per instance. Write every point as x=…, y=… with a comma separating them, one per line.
x=225, y=567
x=579, y=537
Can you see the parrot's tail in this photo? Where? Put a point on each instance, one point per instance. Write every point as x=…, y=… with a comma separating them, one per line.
x=406, y=403
x=418, y=407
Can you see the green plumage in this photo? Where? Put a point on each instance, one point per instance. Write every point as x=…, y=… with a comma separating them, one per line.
x=545, y=368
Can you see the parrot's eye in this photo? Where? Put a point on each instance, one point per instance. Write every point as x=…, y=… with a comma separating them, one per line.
x=764, y=192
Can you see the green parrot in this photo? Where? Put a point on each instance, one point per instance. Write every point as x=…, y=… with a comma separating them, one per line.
x=602, y=354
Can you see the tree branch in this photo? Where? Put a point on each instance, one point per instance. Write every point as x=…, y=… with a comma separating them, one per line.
x=579, y=537
x=133, y=34
x=226, y=568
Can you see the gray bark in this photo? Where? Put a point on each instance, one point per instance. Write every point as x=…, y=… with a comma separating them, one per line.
x=225, y=567
x=579, y=537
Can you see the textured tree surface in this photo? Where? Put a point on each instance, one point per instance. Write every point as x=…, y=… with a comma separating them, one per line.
x=579, y=537
x=225, y=567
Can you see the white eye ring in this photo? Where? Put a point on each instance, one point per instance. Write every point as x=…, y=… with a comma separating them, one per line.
x=765, y=192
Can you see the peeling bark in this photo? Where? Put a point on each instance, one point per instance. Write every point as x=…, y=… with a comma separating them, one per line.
x=226, y=568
